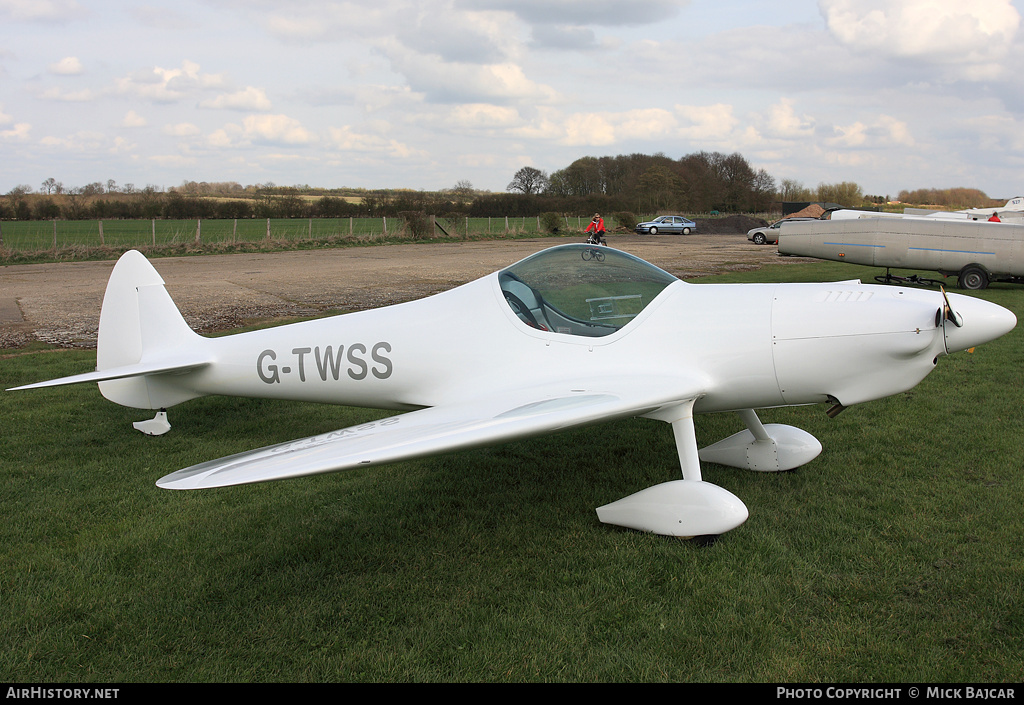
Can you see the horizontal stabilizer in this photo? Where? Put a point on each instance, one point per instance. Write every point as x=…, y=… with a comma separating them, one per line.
x=518, y=414
x=140, y=369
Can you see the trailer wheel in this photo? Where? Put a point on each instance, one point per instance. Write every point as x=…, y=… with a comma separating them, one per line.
x=973, y=277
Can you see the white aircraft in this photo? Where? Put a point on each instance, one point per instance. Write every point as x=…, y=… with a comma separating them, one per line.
x=1013, y=212
x=572, y=335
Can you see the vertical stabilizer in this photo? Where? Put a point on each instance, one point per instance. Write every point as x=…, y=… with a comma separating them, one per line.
x=139, y=323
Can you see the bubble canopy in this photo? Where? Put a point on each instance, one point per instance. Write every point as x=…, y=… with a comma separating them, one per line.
x=581, y=290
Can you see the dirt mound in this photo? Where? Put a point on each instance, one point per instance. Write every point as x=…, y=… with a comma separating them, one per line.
x=811, y=211
x=729, y=225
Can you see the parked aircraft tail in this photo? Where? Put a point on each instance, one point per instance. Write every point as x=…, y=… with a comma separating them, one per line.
x=143, y=341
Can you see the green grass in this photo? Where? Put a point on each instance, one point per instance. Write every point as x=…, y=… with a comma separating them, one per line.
x=36, y=235
x=893, y=557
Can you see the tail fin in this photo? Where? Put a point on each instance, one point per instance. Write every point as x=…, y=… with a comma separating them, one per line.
x=142, y=338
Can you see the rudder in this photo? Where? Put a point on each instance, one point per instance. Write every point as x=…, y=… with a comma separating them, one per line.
x=140, y=322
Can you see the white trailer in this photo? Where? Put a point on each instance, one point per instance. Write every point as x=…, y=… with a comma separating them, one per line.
x=977, y=252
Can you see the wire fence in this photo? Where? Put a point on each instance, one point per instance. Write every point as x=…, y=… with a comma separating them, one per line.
x=36, y=235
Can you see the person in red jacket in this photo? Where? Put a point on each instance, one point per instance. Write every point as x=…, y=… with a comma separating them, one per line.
x=597, y=225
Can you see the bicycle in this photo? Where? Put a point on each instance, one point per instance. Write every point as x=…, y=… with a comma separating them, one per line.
x=888, y=278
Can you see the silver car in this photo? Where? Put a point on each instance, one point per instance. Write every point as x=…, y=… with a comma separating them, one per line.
x=769, y=234
x=675, y=224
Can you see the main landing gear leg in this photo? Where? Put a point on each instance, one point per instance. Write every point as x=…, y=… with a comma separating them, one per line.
x=687, y=508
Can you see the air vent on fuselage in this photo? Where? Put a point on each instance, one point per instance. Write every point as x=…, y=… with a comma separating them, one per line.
x=843, y=296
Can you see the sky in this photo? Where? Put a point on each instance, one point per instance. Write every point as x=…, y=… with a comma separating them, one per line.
x=423, y=95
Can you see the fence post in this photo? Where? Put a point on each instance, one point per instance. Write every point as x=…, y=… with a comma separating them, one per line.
x=199, y=227
x=152, y=225
x=234, y=231
x=310, y=228
x=268, y=228
x=350, y=226
x=55, y=234
x=385, y=219
x=101, y=232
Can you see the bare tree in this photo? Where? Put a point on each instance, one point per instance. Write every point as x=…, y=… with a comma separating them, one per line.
x=463, y=192
x=528, y=180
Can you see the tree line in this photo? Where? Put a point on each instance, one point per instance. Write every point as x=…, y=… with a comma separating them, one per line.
x=696, y=183
x=700, y=182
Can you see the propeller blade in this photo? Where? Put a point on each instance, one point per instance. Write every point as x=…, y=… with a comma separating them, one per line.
x=948, y=312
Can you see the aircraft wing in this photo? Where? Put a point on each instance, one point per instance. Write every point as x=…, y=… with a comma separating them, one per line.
x=497, y=418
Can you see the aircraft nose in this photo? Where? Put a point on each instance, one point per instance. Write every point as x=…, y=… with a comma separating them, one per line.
x=981, y=321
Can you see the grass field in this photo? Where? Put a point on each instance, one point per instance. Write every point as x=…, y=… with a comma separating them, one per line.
x=895, y=556
x=35, y=235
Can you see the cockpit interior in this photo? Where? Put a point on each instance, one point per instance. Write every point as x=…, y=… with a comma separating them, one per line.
x=581, y=290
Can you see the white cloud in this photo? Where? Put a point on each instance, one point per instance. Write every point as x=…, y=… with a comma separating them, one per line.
x=122, y=146
x=169, y=85
x=612, y=13
x=849, y=135
x=483, y=116
x=247, y=99
x=81, y=141
x=783, y=121
x=546, y=125
x=457, y=82
x=997, y=133
x=457, y=36
x=883, y=131
x=262, y=129
x=968, y=37
x=348, y=140
x=588, y=129
x=133, y=119
x=646, y=123
x=181, y=129
x=81, y=96
x=19, y=131
x=68, y=66
x=564, y=38
x=162, y=19
x=278, y=129
x=174, y=160
x=708, y=122
x=331, y=21
x=222, y=139
x=40, y=10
